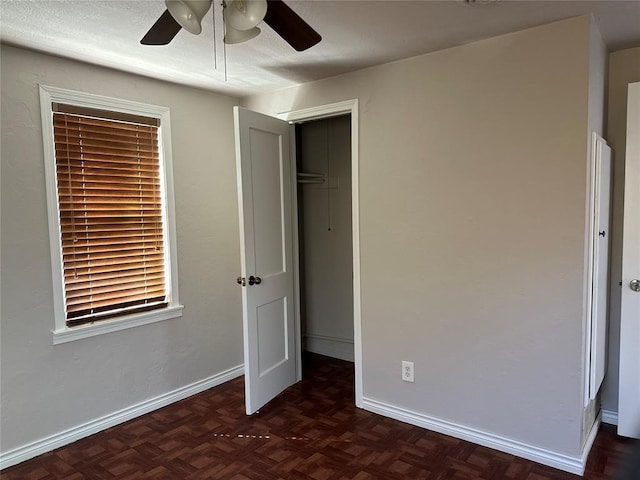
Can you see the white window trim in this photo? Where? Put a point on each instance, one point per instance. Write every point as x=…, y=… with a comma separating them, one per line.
x=61, y=332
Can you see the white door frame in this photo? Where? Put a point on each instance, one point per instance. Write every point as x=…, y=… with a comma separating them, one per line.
x=317, y=113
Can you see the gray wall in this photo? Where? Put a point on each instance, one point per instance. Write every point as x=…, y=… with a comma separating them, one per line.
x=624, y=68
x=324, y=147
x=472, y=226
x=472, y=204
x=47, y=389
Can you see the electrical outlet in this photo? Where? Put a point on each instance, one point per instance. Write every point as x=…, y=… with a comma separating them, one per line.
x=407, y=371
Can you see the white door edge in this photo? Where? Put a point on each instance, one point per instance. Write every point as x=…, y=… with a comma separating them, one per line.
x=600, y=264
x=317, y=113
x=597, y=143
x=629, y=387
x=588, y=260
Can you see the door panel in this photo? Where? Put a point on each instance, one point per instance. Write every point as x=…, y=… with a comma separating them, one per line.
x=266, y=236
x=268, y=201
x=272, y=330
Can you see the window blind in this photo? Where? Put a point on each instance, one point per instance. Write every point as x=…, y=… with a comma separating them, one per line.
x=110, y=204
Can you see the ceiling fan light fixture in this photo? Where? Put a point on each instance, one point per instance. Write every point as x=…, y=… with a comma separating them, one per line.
x=239, y=15
x=244, y=14
x=233, y=35
x=189, y=13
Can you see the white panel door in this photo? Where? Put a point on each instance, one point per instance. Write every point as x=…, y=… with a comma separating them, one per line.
x=629, y=389
x=266, y=236
x=599, y=307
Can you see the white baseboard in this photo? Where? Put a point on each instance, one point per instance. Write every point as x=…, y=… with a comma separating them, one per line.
x=25, y=452
x=610, y=417
x=330, y=346
x=530, y=452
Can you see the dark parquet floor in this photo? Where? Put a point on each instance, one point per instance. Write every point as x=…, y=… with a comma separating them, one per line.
x=311, y=431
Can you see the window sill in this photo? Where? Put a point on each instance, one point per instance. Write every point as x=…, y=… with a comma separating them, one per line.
x=70, y=334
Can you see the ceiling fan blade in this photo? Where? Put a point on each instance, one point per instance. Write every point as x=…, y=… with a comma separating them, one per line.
x=290, y=26
x=162, y=31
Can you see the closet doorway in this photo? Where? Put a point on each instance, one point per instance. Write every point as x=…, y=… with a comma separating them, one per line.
x=348, y=109
x=325, y=236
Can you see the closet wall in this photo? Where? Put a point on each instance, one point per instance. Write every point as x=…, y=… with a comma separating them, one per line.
x=324, y=206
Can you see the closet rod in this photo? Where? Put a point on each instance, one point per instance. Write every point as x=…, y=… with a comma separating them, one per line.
x=316, y=178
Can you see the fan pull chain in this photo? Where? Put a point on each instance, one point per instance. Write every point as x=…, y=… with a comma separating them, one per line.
x=224, y=48
x=215, y=49
x=223, y=4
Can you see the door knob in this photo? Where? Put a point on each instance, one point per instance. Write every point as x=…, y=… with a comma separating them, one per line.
x=254, y=280
x=242, y=281
x=635, y=285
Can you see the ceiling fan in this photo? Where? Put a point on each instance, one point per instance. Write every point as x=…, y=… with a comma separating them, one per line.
x=241, y=19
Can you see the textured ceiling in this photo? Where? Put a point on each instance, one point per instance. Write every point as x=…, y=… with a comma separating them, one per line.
x=356, y=34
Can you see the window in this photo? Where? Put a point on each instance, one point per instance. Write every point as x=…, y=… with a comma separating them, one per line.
x=110, y=213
